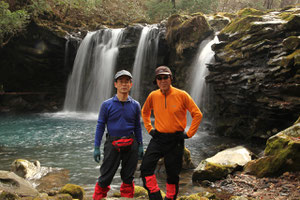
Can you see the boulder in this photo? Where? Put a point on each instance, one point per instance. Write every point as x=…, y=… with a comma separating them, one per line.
x=13, y=183
x=187, y=160
x=26, y=169
x=282, y=153
x=139, y=193
x=8, y=196
x=75, y=191
x=221, y=164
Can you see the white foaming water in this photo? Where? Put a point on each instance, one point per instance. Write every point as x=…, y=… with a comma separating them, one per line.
x=73, y=115
x=91, y=81
x=205, y=56
x=145, y=57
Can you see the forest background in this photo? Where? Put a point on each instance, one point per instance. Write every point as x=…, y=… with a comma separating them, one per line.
x=15, y=15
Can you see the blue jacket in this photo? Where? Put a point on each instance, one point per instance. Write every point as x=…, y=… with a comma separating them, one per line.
x=121, y=118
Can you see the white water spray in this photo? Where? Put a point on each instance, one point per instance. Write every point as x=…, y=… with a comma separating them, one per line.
x=146, y=56
x=91, y=80
x=205, y=56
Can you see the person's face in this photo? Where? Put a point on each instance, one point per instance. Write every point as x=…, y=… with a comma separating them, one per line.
x=164, y=82
x=123, y=84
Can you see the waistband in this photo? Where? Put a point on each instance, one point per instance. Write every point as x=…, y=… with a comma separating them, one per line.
x=169, y=136
x=110, y=137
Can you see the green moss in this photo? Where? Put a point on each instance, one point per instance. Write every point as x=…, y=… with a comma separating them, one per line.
x=75, y=191
x=249, y=11
x=275, y=145
x=8, y=196
x=241, y=24
x=288, y=60
x=140, y=192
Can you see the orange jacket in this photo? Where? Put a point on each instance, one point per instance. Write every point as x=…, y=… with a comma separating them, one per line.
x=170, y=111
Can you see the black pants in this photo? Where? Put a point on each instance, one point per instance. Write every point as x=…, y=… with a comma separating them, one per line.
x=111, y=161
x=171, y=149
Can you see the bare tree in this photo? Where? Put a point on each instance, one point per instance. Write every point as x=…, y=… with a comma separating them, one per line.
x=268, y=4
x=284, y=3
x=174, y=3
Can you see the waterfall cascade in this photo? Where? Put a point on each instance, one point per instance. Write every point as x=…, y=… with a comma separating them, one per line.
x=146, y=56
x=91, y=80
x=205, y=55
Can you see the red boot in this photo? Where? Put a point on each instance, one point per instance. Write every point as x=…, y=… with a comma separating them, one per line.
x=100, y=192
x=127, y=190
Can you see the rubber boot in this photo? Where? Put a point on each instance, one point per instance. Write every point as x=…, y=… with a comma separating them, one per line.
x=100, y=192
x=127, y=190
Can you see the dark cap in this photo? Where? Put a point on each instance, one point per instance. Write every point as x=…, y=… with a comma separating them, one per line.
x=123, y=73
x=163, y=70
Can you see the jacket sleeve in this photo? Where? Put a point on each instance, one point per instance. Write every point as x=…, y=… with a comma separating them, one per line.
x=138, y=129
x=195, y=113
x=102, y=121
x=146, y=113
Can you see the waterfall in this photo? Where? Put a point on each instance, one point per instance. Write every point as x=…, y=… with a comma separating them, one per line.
x=91, y=80
x=146, y=56
x=205, y=55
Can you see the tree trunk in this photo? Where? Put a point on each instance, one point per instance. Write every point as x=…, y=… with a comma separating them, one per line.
x=174, y=4
x=268, y=4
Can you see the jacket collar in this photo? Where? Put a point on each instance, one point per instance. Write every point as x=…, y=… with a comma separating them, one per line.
x=115, y=98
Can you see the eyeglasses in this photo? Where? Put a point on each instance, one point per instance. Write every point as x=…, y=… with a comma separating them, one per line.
x=162, y=78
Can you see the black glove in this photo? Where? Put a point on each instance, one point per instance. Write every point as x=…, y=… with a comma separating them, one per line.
x=152, y=133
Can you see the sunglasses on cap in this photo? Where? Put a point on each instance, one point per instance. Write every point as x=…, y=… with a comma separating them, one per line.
x=162, y=78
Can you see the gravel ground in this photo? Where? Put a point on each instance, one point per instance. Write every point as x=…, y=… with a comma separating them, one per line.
x=284, y=187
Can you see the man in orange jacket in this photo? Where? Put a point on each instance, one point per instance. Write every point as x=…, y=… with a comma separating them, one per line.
x=169, y=106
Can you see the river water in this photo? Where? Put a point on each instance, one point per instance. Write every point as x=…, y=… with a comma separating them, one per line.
x=66, y=140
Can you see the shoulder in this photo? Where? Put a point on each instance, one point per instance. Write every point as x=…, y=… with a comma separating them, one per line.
x=155, y=93
x=133, y=101
x=107, y=102
x=180, y=92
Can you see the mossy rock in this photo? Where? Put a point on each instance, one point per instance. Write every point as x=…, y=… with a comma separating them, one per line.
x=211, y=171
x=140, y=192
x=75, y=191
x=240, y=25
x=282, y=153
x=8, y=196
x=291, y=43
x=293, y=22
x=186, y=31
x=292, y=59
x=60, y=197
x=249, y=11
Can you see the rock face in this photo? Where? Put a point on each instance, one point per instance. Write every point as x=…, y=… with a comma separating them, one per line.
x=281, y=154
x=221, y=164
x=10, y=182
x=184, y=35
x=255, y=79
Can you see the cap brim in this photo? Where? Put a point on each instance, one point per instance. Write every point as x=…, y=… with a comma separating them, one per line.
x=164, y=73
